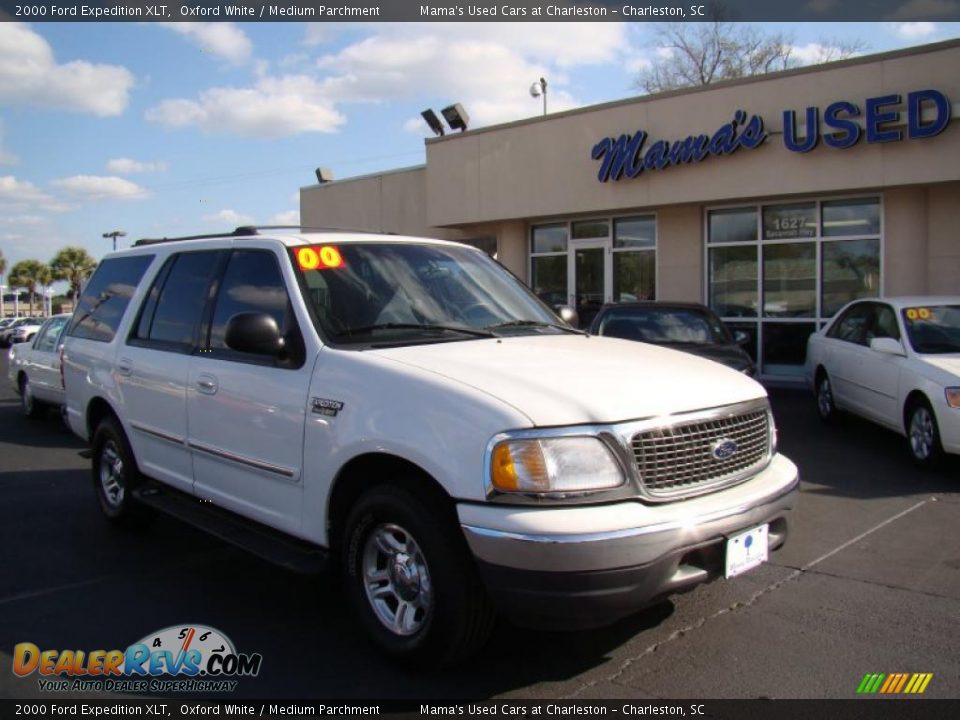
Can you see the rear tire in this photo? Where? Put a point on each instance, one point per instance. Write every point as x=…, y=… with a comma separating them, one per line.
x=115, y=475
x=412, y=580
x=31, y=407
x=923, y=435
x=826, y=405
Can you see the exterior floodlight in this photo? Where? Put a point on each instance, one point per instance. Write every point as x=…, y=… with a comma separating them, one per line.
x=114, y=234
x=456, y=117
x=433, y=121
x=324, y=175
x=540, y=88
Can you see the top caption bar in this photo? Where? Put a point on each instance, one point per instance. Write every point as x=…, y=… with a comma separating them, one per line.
x=35, y=11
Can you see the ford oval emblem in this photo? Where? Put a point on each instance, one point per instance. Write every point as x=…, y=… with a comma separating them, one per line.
x=723, y=449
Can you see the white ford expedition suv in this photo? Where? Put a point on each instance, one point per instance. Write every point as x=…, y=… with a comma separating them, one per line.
x=409, y=409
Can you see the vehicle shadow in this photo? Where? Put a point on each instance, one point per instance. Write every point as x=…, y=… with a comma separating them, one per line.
x=72, y=580
x=852, y=457
x=48, y=431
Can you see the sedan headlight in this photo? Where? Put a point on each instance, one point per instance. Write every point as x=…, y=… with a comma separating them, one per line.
x=953, y=396
x=554, y=466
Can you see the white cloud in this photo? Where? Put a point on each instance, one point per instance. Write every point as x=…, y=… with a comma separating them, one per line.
x=913, y=30
x=225, y=40
x=30, y=75
x=813, y=53
x=229, y=217
x=128, y=166
x=274, y=107
x=290, y=217
x=24, y=195
x=93, y=187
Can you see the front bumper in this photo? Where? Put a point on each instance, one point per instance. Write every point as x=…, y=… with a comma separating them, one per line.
x=575, y=575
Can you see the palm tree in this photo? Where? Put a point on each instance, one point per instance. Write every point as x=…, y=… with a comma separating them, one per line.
x=27, y=274
x=74, y=265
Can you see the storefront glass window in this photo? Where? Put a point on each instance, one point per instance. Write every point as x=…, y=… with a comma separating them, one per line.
x=785, y=347
x=790, y=280
x=549, y=278
x=589, y=229
x=634, y=276
x=549, y=238
x=850, y=269
x=733, y=281
x=851, y=217
x=787, y=222
x=733, y=225
x=635, y=232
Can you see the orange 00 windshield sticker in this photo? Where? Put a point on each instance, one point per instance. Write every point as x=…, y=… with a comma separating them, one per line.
x=319, y=257
x=918, y=313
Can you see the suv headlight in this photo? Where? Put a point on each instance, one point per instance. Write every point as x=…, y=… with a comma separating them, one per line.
x=554, y=466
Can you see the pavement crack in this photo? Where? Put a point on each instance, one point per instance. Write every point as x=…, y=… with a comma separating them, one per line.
x=889, y=586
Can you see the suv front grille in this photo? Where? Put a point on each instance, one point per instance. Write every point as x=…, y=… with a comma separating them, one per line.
x=686, y=458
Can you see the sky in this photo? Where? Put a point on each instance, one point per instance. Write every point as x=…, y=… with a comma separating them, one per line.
x=162, y=129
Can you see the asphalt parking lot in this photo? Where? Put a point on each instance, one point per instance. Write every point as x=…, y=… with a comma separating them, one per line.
x=869, y=582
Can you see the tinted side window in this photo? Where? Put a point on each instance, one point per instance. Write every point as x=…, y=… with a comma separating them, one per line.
x=885, y=323
x=174, y=307
x=252, y=283
x=106, y=297
x=852, y=325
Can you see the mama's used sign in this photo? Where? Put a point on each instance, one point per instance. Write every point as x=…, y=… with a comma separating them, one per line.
x=843, y=125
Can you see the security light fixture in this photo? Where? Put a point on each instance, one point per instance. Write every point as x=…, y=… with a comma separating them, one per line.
x=433, y=121
x=540, y=88
x=115, y=234
x=456, y=117
x=324, y=175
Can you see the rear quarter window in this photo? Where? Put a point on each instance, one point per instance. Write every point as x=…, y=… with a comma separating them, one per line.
x=106, y=297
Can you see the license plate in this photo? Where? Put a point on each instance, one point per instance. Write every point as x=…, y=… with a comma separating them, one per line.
x=746, y=550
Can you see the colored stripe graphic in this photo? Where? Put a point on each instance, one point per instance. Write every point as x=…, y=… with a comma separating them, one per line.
x=894, y=683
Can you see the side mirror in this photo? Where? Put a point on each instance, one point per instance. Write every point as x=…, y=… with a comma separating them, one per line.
x=568, y=315
x=254, y=332
x=888, y=346
x=740, y=337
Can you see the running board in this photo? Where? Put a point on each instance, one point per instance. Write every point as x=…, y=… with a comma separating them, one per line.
x=264, y=542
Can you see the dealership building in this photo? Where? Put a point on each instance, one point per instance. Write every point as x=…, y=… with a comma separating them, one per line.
x=773, y=199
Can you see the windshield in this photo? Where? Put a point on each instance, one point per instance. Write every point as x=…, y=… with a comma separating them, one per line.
x=933, y=329
x=404, y=293
x=665, y=326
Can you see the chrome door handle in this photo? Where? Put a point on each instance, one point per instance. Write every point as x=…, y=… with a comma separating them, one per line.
x=207, y=384
x=125, y=366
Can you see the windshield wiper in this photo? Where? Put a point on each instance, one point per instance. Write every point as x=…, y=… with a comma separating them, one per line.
x=349, y=332
x=535, y=323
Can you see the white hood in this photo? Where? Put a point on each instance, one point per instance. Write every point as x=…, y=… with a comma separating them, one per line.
x=576, y=379
x=947, y=365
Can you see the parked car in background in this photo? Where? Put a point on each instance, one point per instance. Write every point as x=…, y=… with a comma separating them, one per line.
x=689, y=327
x=34, y=368
x=6, y=334
x=895, y=361
x=25, y=332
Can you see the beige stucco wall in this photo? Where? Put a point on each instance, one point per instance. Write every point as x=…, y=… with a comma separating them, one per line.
x=943, y=245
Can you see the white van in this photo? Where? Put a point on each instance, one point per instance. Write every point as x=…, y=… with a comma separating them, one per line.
x=409, y=409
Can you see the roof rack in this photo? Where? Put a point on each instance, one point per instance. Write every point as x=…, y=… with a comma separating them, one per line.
x=248, y=230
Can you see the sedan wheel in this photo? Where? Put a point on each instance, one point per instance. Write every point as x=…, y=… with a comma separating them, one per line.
x=31, y=407
x=825, y=404
x=923, y=435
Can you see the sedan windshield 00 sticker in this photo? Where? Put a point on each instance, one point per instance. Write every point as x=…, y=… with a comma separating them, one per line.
x=179, y=658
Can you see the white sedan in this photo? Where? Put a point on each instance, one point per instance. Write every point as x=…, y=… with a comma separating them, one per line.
x=35, y=368
x=895, y=361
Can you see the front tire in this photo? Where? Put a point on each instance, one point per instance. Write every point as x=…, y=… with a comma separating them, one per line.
x=412, y=579
x=923, y=435
x=115, y=474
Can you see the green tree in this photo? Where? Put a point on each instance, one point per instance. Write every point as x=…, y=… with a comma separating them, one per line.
x=74, y=265
x=28, y=274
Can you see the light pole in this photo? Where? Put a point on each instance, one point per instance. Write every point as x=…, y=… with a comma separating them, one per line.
x=114, y=234
x=540, y=88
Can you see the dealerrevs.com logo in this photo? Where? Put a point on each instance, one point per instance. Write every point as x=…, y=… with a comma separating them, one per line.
x=180, y=658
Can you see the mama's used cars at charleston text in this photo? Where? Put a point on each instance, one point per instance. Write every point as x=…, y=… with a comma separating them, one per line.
x=409, y=408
